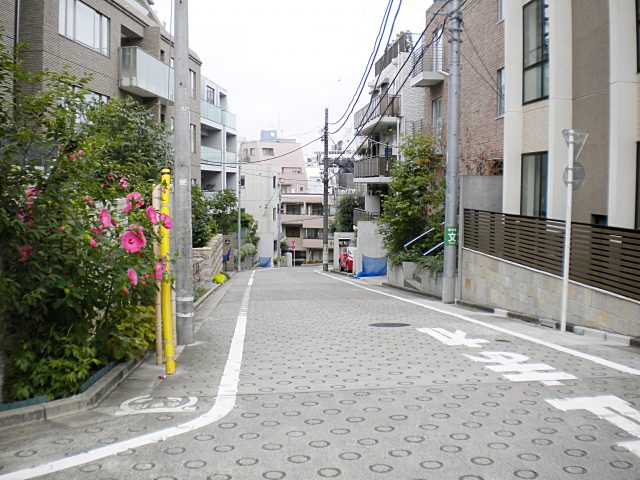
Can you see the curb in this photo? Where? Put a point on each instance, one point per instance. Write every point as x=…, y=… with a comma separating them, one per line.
x=77, y=403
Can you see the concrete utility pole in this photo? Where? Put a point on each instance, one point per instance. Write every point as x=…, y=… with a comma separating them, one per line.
x=182, y=180
x=239, y=191
x=453, y=157
x=325, y=198
x=279, y=219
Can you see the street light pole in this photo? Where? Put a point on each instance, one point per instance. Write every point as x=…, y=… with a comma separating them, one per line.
x=567, y=234
x=239, y=190
x=325, y=198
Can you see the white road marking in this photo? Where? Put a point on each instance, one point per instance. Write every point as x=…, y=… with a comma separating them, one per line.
x=147, y=404
x=225, y=402
x=559, y=348
x=609, y=408
x=457, y=338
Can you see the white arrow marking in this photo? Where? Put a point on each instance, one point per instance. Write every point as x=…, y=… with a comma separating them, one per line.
x=453, y=338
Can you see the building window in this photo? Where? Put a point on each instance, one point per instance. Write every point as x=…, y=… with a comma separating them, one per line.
x=313, y=233
x=274, y=213
x=79, y=22
x=500, y=10
x=192, y=137
x=172, y=124
x=267, y=152
x=638, y=33
x=536, y=52
x=500, y=81
x=315, y=209
x=292, y=231
x=211, y=95
x=293, y=209
x=274, y=181
x=638, y=186
x=436, y=118
x=242, y=183
x=192, y=83
x=533, y=191
x=252, y=152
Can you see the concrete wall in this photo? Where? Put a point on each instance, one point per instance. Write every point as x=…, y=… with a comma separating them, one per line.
x=497, y=283
x=369, y=244
x=409, y=276
x=336, y=249
x=207, y=261
x=481, y=192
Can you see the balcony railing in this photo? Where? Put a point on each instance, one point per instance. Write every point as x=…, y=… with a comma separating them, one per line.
x=360, y=215
x=210, y=156
x=383, y=105
x=144, y=75
x=428, y=68
x=373, y=167
x=215, y=114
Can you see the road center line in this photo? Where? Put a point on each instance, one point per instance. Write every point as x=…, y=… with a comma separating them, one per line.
x=225, y=401
x=560, y=348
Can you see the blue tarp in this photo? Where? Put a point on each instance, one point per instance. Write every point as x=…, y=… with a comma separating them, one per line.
x=373, y=267
x=226, y=256
x=264, y=262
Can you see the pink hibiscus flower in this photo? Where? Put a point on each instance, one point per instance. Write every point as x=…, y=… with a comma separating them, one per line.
x=166, y=221
x=133, y=276
x=105, y=218
x=93, y=243
x=133, y=241
x=152, y=215
x=25, y=252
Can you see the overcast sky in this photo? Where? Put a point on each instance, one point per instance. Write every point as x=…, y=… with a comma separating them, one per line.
x=283, y=62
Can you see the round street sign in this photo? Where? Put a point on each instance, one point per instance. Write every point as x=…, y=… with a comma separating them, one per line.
x=578, y=176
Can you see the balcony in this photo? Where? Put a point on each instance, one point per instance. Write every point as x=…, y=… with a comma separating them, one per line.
x=210, y=156
x=144, y=75
x=428, y=69
x=372, y=167
x=381, y=111
x=215, y=114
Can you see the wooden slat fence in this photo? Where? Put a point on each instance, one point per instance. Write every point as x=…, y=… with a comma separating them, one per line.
x=602, y=257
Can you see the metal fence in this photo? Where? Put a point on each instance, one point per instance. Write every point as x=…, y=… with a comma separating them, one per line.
x=373, y=167
x=602, y=257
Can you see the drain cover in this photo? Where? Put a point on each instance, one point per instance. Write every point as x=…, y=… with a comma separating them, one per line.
x=502, y=340
x=389, y=325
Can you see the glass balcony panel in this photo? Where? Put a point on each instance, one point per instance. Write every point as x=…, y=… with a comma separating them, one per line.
x=210, y=112
x=229, y=119
x=210, y=156
x=144, y=75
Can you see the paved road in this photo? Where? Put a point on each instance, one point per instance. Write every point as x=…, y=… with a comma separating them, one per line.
x=321, y=393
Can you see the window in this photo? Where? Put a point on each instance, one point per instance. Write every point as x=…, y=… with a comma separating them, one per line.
x=171, y=62
x=211, y=95
x=79, y=22
x=242, y=184
x=533, y=190
x=274, y=181
x=313, y=233
x=638, y=186
x=192, y=83
x=252, y=151
x=315, y=209
x=267, y=152
x=274, y=213
x=536, y=52
x=292, y=231
x=293, y=209
x=500, y=10
x=638, y=34
x=162, y=55
x=173, y=124
x=436, y=121
x=500, y=81
x=192, y=137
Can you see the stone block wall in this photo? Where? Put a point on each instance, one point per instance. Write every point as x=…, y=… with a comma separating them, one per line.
x=497, y=283
x=207, y=261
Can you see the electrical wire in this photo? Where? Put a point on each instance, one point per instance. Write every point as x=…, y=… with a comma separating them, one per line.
x=369, y=65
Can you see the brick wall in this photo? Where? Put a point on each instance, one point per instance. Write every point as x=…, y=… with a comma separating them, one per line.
x=482, y=54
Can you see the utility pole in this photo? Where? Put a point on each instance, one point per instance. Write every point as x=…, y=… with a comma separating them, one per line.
x=325, y=198
x=182, y=192
x=453, y=157
x=239, y=191
x=279, y=217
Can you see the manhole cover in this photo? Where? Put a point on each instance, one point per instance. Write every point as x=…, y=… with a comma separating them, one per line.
x=389, y=325
x=503, y=340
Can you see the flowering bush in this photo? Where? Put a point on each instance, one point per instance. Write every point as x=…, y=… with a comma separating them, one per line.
x=76, y=230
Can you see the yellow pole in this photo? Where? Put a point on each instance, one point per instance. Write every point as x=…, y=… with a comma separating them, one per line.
x=167, y=320
x=156, y=250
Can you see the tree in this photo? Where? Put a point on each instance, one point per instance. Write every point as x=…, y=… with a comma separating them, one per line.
x=203, y=224
x=416, y=202
x=343, y=219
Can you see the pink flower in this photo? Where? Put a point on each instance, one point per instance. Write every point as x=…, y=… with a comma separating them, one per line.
x=32, y=191
x=125, y=291
x=127, y=206
x=93, y=243
x=123, y=182
x=166, y=221
x=159, y=270
x=133, y=241
x=62, y=230
x=89, y=201
x=25, y=252
x=133, y=276
x=97, y=231
x=152, y=215
x=72, y=158
x=105, y=218
x=80, y=153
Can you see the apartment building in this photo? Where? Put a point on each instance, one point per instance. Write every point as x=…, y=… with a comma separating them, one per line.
x=302, y=220
x=121, y=44
x=481, y=84
x=393, y=110
x=572, y=64
x=218, y=139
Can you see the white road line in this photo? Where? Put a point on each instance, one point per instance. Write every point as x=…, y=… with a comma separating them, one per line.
x=560, y=348
x=225, y=401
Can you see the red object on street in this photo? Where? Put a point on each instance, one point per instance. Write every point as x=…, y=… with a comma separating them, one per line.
x=346, y=259
x=162, y=376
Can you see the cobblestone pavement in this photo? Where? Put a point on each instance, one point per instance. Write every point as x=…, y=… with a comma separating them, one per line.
x=432, y=392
